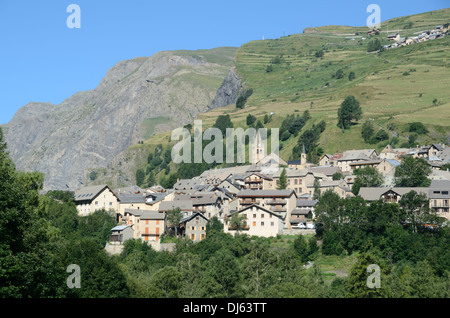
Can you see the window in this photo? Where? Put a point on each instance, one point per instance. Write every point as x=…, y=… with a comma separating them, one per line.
x=96, y=202
x=254, y=223
x=262, y=216
x=254, y=216
x=295, y=181
x=272, y=223
x=262, y=223
x=110, y=203
x=203, y=228
x=192, y=228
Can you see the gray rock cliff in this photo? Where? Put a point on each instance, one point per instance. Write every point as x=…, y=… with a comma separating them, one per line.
x=136, y=98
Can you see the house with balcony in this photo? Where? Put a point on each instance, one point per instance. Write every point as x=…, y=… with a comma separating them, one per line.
x=440, y=197
x=297, y=180
x=257, y=181
x=437, y=194
x=353, y=156
x=281, y=202
x=120, y=234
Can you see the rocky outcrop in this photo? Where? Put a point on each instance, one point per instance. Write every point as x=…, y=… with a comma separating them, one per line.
x=90, y=128
x=228, y=92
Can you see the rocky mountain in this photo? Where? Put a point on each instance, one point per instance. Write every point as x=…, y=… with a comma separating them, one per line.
x=136, y=99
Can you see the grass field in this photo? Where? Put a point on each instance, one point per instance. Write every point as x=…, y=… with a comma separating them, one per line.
x=394, y=88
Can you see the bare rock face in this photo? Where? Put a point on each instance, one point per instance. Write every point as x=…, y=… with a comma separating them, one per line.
x=135, y=99
x=228, y=92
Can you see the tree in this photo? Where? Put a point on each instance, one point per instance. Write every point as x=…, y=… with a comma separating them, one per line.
x=418, y=128
x=339, y=74
x=337, y=176
x=367, y=177
x=416, y=211
x=140, y=176
x=296, y=125
x=250, y=119
x=367, y=131
x=223, y=122
x=93, y=175
x=359, y=277
x=282, y=182
x=412, y=173
x=214, y=225
x=174, y=217
x=301, y=248
x=351, y=76
x=326, y=208
x=316, y=189
x=348, y=111
x=237, y=222
x=306, y=115
x=374, y=45
x=381, y=135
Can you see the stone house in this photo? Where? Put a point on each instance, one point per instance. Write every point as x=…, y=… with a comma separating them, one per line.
x=259, y=221
x=94, y=198
x=194, y=227
x=281, y=202
x=120, y=234
x=257, y=181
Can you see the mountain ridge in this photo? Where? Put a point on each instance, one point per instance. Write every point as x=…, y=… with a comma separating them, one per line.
x=91, y=127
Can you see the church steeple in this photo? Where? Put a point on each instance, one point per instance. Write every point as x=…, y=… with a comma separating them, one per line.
x=303, y=158
x=258, y=150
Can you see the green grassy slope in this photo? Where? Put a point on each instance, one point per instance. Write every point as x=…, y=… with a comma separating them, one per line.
x=394, y=87
x=385, y=94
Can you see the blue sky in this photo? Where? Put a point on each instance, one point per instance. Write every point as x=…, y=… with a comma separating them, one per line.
x=42, y=60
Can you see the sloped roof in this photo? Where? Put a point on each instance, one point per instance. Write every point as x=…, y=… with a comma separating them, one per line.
x=184, y=205
x=266, y=193
x=309, y=203
x=90, y=193
x=153, y=215
x=120, y=227
x=193, y=215
x=375, y=193
x=131, y=198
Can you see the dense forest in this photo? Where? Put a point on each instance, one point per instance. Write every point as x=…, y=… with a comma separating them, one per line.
x=41, y=235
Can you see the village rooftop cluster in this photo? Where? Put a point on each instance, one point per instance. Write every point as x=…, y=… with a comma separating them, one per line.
x=252, y=192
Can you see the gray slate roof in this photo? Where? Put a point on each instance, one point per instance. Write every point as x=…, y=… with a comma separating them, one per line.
x=89, y=193
x=170, y=205
x=131, y=198
x=309, y=203
x=265, y=193
x=374, y=194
